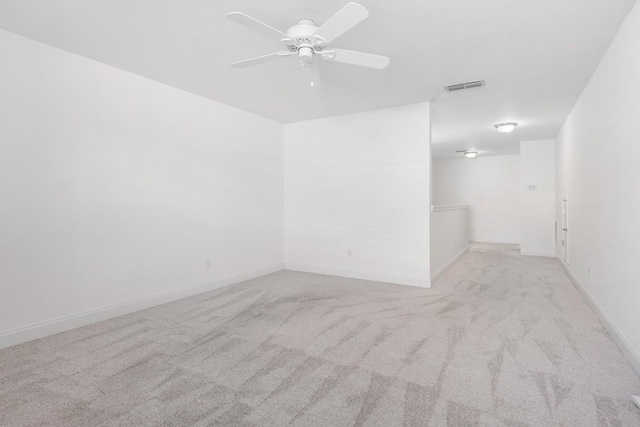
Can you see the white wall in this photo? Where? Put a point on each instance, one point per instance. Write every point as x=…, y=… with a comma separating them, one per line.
x=359, y=184
x=449, y=237
x=537, y=205
x=490, y=185
x=116, y=188
x=597, y=157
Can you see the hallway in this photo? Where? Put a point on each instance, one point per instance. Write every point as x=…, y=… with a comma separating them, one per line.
x=500, y=340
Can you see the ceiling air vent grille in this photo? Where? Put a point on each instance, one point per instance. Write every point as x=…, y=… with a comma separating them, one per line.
x=467, y=85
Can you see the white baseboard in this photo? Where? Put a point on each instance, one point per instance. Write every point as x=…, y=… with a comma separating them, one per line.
x=375, y=276
x=61, y=324
x=438, y=274
x=625, y=346
x=551, y=254
x=493, y=241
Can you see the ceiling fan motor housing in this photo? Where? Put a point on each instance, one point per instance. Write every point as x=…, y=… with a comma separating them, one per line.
x=302, y=39
x=303, y=31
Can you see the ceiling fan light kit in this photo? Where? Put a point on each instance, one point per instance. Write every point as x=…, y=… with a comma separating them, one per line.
x=306, y=40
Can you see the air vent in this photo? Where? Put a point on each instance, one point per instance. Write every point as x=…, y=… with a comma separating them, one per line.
x=467, y=85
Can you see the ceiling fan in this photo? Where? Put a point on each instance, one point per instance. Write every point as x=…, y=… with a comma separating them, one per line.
x=305, y=40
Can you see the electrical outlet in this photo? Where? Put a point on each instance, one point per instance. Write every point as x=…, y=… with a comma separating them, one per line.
x=349, y=254
x=584, y=200
x=208, y=263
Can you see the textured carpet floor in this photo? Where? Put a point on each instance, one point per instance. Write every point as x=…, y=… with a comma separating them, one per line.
x=500, y=340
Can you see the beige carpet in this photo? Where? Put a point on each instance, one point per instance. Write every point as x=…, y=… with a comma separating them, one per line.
x=501, y=340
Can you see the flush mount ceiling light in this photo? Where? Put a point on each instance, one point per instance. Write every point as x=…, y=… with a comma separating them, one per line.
x=506, y=127
x=468, y=153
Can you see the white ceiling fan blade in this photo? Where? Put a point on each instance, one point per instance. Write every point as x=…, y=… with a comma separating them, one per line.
x=346, y=18
x=256, y=25
x=260, y=59
x=359, y=58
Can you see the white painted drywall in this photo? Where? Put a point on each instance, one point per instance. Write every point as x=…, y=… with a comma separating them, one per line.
x=117, y=188
x=357, y=195
x=537, y=197
x=598, y=152
x=489, y=185
x=449, y=236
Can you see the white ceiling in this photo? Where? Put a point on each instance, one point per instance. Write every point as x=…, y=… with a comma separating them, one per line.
x=536, y=56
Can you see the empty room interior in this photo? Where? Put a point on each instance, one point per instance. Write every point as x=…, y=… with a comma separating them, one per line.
x=297, y=213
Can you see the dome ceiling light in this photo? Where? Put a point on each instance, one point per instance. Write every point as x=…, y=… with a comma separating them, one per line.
x=506, y=127
x=469, y=154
